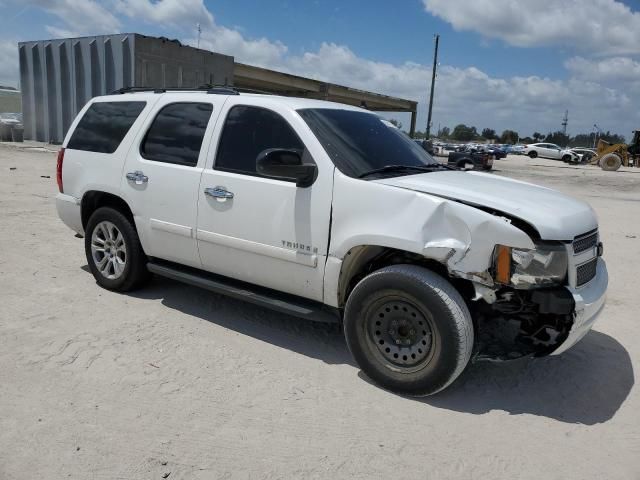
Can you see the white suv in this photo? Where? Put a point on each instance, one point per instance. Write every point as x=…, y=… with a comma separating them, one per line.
x=320, y=210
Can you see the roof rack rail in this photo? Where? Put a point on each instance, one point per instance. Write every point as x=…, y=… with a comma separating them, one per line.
x=211, y=89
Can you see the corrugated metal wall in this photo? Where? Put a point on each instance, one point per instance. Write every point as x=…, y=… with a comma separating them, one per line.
x=58, y=77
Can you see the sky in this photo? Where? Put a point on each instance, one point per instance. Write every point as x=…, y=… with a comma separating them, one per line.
x=503, y=64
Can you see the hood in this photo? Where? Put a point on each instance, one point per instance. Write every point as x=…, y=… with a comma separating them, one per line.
x=554, y=215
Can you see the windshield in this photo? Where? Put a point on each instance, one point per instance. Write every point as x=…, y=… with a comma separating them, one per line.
x=359, y=142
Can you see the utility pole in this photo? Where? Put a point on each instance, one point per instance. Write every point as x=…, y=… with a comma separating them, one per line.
x=433, y=84
x=596, y=134
x=565, y=121
x=199, y=32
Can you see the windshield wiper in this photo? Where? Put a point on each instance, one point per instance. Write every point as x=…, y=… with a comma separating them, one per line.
x=405, y=168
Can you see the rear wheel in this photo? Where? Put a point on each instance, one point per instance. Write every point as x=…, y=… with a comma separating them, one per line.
x=466, y=165
x=610, y=162
x=408, y=329
x=533, y=154
x=113, y=251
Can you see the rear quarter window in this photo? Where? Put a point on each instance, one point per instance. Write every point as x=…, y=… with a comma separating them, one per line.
x=104, y=125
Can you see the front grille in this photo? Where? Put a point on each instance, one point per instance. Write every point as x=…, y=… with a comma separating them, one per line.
x=585, y=242
x=586, y=271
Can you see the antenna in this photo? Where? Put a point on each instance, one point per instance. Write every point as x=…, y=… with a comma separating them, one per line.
x=565, y=121
x=199, y=32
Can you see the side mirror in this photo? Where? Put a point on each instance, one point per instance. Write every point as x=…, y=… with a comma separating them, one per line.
x=286, y=164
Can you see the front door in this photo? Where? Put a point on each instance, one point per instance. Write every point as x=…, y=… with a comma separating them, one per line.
x=263, y=230
x=162, y=175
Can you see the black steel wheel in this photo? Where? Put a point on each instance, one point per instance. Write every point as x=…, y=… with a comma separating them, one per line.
x=401, y=332
x=408, y=329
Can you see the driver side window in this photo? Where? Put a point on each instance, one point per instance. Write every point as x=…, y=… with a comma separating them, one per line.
x=248, y=131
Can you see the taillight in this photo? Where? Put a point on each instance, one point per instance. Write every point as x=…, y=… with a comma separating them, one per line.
x=59, y=169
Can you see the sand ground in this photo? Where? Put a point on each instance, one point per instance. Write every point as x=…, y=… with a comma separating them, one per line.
x=174, y=380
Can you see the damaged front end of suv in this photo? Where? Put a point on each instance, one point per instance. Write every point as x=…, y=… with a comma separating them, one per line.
x=529, y=312
x=529, y=260
x=539, y=301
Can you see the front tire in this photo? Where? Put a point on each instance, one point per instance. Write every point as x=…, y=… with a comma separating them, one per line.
x=113, y=251
x=610, y=162
x=466, y=165
x=533, y=154
x=408, y=329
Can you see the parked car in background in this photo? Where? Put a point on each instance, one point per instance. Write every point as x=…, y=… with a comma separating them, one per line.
x=11, y=127
x=585, y=155
x=497, y=151
x=470, y=160
x=549, y=150
x=427, y=146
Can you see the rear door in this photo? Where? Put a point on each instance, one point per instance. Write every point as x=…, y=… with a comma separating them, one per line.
x=262, y=230
x=162, y=174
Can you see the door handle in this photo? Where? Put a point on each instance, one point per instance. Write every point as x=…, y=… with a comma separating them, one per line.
x=138, y=177
x=218, y=192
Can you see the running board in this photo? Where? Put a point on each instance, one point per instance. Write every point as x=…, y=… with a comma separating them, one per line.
x=264, y=297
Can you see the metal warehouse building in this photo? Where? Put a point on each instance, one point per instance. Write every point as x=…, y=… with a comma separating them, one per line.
x=58, y=77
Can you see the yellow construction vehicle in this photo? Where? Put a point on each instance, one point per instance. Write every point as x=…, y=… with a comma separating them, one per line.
x=612, y=156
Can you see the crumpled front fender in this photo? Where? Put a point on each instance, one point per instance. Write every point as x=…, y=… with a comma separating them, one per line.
x=459, y=236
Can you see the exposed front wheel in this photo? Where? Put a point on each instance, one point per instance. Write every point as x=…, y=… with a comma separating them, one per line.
x=533, y=154
x=408, y=329
x=113, y=251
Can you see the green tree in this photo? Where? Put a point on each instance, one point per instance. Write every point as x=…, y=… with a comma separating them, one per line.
x=537, y=136
x=509, y=136
x=489, y=133
x=582, y=140
x=464, y=133
x=612, y=137
x=444, y=132
x=558, y=138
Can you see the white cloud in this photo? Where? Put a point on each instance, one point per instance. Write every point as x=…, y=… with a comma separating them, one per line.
x=594, y=26
x=78, y=16
x=616, y=71
x=261, y=51
x=182, y=13
x=9, y=63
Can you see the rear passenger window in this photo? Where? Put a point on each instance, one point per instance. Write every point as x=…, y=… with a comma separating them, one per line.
x=104, y=125
x=247, y=132
x=176, y=134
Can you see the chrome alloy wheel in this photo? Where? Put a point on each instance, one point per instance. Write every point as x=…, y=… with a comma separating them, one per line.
x=402, y=334
x=108, y=250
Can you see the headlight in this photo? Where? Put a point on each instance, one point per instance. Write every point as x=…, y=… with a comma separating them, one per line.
x=544, y=266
